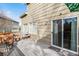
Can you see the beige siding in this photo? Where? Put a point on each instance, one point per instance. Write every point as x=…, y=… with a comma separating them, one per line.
x=42, y=14
x=8, y=25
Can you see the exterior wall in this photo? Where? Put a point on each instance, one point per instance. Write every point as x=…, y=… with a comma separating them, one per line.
x=41, y=15
x=7, y=25
x=27, y=26
x=24, y=25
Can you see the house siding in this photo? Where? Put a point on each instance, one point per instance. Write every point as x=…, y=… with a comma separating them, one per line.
x=42, y=14
x=8, y=25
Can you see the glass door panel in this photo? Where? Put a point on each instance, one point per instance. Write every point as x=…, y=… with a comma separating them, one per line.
x=70, y=34
x=57, y=32
x=66, y=34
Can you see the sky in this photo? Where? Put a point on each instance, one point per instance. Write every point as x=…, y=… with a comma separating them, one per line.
x=13, y=10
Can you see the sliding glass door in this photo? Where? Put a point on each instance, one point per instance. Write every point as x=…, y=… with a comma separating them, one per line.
x=65, y=33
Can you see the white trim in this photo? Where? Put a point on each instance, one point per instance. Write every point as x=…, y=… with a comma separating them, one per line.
x=69, y=17
x=64, y=49
x=62, y=32
x=51, y=32
x=77, y=34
